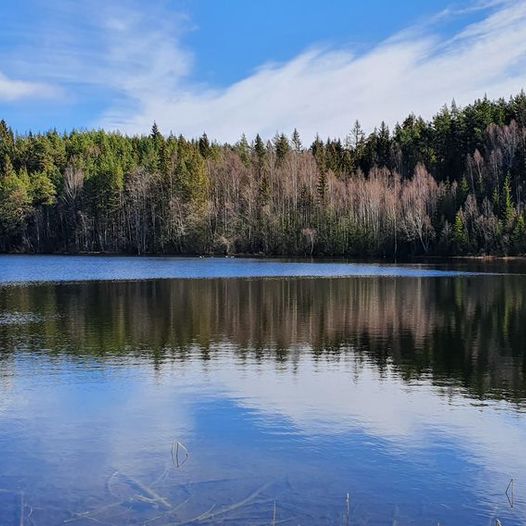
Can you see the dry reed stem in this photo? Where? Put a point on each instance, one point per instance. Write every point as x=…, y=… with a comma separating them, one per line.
x=168, y=513
x=147, y=491
x=175, y=453
x=227, y=509
x=511, y=498
x=87, y=514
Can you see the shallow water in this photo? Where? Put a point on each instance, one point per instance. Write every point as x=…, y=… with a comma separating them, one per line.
x=404, y=390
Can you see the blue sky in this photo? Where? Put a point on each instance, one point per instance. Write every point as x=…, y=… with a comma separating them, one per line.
x=237, y=66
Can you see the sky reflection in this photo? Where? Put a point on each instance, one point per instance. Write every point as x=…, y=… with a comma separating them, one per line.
x=407, y=394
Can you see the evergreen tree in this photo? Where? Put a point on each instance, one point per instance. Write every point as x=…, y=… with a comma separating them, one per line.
x=519, y=235
x=282, y=147
x=260, y=149
x=155, y=133
x=296, y=141
x=318, y=151
x=508, y=210
x=204, y=146
x=460, y=233
x=7, y=143
x=14, y=205
x=243, y=150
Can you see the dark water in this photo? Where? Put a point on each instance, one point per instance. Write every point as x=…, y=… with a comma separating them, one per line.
x=407, y=393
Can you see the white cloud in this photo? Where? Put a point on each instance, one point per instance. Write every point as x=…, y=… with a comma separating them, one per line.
x=12, y=90
x=121, y=51
x=325, y=90
x=133, y=60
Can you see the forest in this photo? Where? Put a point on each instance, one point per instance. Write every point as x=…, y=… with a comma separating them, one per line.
x=451, y=185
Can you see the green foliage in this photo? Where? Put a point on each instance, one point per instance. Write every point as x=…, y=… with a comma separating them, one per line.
x=460, y=233
x=259, y=148
x=413, y=141
x=296, y=141
x=318, y=151
x=190, y=175
x=322, y=186
x=282, y=146
x=42, y=190
x=15, y=203
x=156, y=134
x=508, y=210
x=242, y=148
x=7, y=168
x=463, y=191
x=519, y=235
x=7, y=144
x=96, y=190
x=204, y=146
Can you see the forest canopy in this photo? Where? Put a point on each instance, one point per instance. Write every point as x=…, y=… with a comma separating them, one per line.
x=451, y=185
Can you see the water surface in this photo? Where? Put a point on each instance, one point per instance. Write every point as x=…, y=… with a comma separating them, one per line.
x=27, y=269
x=405, y=391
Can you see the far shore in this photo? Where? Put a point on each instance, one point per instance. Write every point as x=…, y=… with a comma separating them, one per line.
x=350, y=259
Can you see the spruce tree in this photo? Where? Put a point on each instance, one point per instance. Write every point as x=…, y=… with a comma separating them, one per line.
x=296, y=141
x=204, y=146
x=282, y=146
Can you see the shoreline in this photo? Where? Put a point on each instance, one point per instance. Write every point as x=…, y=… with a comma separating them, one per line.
x=350, y=259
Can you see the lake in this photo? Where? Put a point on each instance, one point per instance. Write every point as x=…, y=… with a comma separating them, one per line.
x=134, y=391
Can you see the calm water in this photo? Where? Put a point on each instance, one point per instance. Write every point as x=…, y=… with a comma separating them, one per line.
x=27, y=269
x=404, y=387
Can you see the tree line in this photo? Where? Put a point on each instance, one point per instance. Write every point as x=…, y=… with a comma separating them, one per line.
x=451, y=185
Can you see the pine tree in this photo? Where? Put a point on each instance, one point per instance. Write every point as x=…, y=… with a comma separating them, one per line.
x=243, y=149
x=296, y=141
x=261, y=152
x=318, y=151
x=7, y=168
x=463, y=191
x=460, y=232
x=508, y=210
x=321, y=187
x=282, y=146
x=155, y=133
x=191, y=176
x=204, y=146
x=259, y=148
x=356, y=137
x=495, y=199
x=519, y=235
x=15, y=203
x=383, y=146
x=43, y=191
x=7, y=142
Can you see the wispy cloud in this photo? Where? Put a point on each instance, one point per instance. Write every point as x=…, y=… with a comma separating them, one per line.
x=137, y=57
x=324, y=90
x=13, y=90
x=121, y=51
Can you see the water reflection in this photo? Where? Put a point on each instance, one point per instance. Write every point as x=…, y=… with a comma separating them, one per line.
x=407, y=393
x=469, y=331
